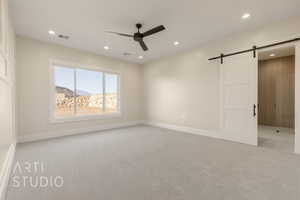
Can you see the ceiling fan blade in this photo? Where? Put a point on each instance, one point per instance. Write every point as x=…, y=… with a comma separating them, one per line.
x=121, y=34
x=143, y=45
x=154, y=30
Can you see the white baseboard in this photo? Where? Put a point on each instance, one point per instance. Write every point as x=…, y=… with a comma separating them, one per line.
x=56, y=134
x=297, y=146
x=208, y=133
x=6, y=170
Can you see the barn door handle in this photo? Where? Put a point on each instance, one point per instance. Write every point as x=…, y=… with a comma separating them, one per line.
x=254, y=110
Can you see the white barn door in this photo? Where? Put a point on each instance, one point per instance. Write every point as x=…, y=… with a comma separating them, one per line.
x=239, y=98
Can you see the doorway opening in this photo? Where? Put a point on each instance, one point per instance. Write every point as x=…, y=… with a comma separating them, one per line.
x=276, y=98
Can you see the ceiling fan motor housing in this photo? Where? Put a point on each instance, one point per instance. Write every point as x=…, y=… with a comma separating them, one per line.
x=138, y=36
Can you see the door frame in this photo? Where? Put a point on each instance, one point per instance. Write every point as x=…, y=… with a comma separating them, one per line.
x=296, y=45
x=297, y=98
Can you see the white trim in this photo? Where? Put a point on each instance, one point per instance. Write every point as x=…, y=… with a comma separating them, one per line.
x=297, y=98
x=51, y=92
x=75, y=92
x=57, y=134
x=86, y=117
x=82, y=66
x=295, y=45
x=4, y=62
x=75, y=66
x=103, y=92
x=6, y=170
x=202, y=132
x=207, y=133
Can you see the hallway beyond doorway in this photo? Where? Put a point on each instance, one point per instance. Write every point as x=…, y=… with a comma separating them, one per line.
x=269, y=137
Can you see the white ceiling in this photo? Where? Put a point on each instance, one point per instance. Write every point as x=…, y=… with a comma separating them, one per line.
x=191, y=22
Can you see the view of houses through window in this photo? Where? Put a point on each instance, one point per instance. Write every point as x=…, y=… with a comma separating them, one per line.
x=81, y=92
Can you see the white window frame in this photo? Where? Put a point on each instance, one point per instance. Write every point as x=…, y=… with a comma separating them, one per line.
x=54, y=119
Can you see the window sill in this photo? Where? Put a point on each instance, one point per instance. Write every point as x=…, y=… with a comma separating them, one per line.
x=85, y=118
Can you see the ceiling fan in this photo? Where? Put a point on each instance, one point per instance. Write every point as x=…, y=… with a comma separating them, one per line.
x=138, y=36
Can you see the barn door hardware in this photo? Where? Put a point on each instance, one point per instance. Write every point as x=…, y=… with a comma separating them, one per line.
x=253, y=49
x=222, y=56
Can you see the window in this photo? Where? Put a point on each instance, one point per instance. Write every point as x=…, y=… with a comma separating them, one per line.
x=65, y=96
x=83, y=92
x=111, y=90
x=89, y=92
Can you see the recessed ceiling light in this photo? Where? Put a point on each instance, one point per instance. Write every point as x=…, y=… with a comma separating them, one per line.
x=106, y=47
x=51, y=32
x=66, y=37
x=126, y=54
x=176, y=43
x=272, y=54
x=246, y=16
x=140, y=57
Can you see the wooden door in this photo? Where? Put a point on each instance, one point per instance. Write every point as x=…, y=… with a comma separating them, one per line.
x=276, y=92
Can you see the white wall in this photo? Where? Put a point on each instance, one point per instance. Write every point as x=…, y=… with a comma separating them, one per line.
x=34, y=87
x=183, y=90
x=7, y=93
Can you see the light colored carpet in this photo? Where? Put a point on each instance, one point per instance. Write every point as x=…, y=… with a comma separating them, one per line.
x=147, y=163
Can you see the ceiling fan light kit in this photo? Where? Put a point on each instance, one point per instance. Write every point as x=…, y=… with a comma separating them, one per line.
x=138, y=36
